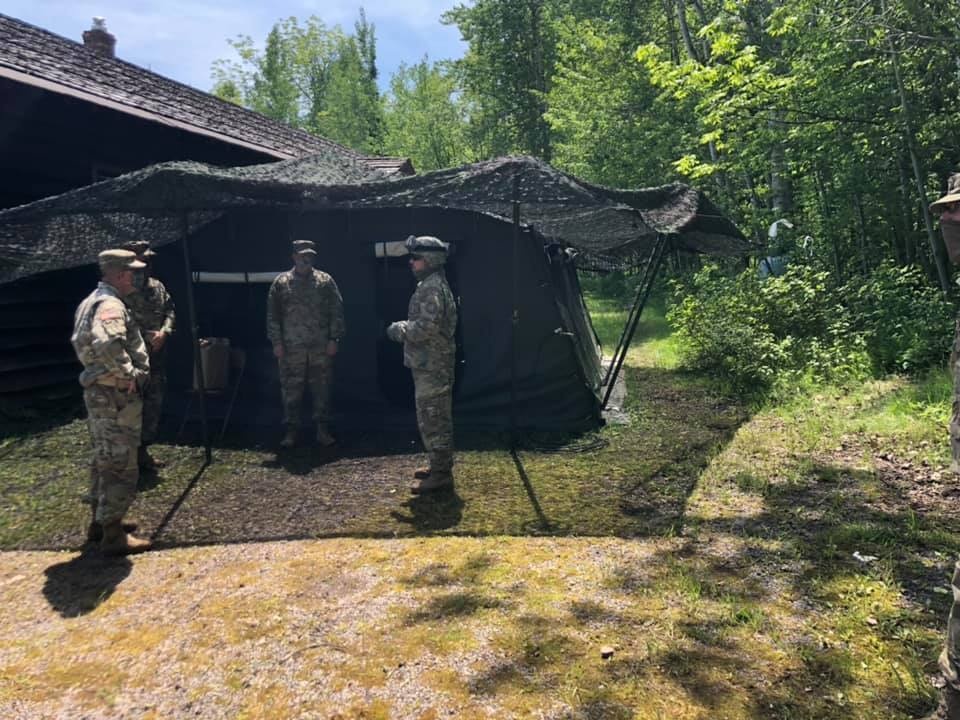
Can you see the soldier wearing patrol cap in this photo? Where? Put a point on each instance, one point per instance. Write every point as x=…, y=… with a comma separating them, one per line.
x=429, y=350
x=948, y=210
x=305, y=325
x=153, y=310
x=115, y=365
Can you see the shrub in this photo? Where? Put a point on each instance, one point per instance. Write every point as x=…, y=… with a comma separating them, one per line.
x=908, y=324
x=754, y=334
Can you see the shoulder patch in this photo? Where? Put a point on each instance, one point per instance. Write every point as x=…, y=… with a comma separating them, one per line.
x=109, y=313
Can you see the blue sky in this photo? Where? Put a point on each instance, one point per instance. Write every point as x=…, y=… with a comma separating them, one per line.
x=182, y=38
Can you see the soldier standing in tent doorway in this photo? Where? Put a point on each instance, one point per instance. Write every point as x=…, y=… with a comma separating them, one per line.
x=152, y=309
x=429, y=350
x=948, y=209
x=115, y=366
x=305, y=325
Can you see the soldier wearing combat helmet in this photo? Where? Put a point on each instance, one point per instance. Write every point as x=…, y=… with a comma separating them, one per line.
x=115, y=365
x=429, y=350
x=948, y=210
x=305, y=325
x=152, y=309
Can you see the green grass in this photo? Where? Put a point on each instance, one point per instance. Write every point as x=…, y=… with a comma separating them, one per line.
x=653, y=344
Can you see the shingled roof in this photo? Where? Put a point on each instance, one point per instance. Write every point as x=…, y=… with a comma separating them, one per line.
x=39, y=58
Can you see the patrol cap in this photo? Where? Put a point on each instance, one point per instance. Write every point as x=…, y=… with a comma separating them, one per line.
x=120, y=260
x=425, y=244
x=306, y=247
x=141, y=248
x=953, y=192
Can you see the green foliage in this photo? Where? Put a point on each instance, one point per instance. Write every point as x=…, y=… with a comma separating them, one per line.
x=425, y=117
x=310, y=76
x=799, y=327
x=755, y=334
x=506, y=73
x=908, y=325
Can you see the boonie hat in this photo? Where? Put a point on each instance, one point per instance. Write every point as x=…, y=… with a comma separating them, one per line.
x=953, y=192
x=121, y=259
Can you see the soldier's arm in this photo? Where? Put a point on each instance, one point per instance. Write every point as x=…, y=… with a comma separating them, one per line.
x=169, y=312
x=274, y=328
x=428, y=324
x=109, y=331
x=335, y=302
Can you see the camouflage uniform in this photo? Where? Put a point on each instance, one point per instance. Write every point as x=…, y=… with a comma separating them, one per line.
x=429, y=350
x=109, y=345
x=303, y=314
x=950, y=657
x=948, y=210
x=152, y=309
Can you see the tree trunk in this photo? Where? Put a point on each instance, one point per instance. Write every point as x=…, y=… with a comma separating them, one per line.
x=909, y=233
x=685, y=31
x=936, y=247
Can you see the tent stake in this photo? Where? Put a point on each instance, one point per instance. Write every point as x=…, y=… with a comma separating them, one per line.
x=194, y=332
x=643, y=293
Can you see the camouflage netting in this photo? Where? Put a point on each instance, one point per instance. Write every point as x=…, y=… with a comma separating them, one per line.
x=610, y=228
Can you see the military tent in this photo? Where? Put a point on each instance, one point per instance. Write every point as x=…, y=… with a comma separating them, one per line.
x=527, y=354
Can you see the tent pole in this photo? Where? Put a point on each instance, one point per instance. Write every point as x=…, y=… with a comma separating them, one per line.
x=634, y=308
x=643, y=293
x=194, y=330
x=515, y=312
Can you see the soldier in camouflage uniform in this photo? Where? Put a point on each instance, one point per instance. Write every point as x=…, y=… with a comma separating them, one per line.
x=115, y=365
x=152, y=309
x=429, y=350
x=305, y=325
x=948, y=209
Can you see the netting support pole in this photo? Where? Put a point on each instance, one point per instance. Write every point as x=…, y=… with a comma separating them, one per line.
x=515, y=311
x=194, y=333
x=633, y=319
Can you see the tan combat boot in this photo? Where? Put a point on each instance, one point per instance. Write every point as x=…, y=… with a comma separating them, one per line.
x=290, y=439
x=324, y=438
x=436, y=480
x=117, y=542
x=95, y=529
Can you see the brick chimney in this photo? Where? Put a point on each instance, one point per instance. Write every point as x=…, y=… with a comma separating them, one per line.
x=99, y=40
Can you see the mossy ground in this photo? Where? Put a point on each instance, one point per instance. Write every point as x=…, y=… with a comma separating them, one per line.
x=720, y=569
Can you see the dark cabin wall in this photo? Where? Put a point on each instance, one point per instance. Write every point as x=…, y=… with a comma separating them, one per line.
x=51, y=143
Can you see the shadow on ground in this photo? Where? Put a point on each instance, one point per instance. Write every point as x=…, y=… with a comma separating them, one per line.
x=624, y=481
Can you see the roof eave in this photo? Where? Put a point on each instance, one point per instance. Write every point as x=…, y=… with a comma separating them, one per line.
x=69, y=91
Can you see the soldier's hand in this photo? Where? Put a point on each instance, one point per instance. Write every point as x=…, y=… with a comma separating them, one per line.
x=157, y=340
x=278, y=351
x=332, y=347
x=395, y=331
x=131, y=387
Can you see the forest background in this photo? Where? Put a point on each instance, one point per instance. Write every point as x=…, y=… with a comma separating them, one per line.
x=822, y=127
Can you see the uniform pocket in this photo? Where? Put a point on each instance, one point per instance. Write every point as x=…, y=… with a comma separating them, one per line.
x=130, y=415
